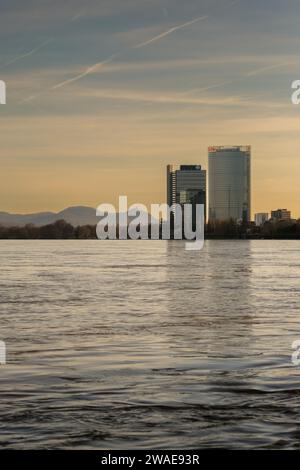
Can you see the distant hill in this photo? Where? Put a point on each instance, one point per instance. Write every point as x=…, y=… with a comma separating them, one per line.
x=78, y=215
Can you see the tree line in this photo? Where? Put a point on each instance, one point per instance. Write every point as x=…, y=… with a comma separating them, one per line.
x=62, y=230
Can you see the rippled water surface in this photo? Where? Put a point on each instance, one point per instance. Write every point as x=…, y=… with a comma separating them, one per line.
x=115, y=345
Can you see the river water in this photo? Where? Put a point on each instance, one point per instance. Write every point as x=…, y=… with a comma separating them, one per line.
x=140, y=344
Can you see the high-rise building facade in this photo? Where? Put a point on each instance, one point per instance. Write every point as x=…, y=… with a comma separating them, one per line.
x=229, y=171
x=186, y=184
x=281, y=214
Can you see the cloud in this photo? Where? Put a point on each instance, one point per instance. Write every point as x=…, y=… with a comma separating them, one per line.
x=153, y=97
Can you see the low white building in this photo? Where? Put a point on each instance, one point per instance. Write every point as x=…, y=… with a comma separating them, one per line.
x=261, y=218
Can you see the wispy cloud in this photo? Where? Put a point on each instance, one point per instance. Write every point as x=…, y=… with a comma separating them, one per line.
x=159, y=97
x=169, y=31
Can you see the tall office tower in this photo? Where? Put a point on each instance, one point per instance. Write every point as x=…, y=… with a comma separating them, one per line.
x=229, y=170
x=261, y=218
x=186, y=184
x=281, y=214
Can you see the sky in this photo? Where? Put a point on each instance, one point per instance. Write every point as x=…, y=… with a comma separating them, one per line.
x=103, y=94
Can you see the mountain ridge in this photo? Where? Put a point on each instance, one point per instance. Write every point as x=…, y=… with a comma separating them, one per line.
x=75, y=215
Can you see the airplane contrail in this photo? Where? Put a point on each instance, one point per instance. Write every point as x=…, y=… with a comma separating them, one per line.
x=241, y=78
x=253, y=73
x=180, y=26
x=40, y=46
x=77, y=16
x=169, y=31
x=30, y=98
x=234, y=2
x=207, y=88
x=92, y=68
x=29, y=53
x=89, y=70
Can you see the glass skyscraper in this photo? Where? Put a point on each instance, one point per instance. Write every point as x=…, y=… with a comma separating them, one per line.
x=229, y=171
x=186, y=184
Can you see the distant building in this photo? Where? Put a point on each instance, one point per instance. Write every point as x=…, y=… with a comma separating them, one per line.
x=229, y=183
x=261, y=218
x=281, y=214
x=186, y=184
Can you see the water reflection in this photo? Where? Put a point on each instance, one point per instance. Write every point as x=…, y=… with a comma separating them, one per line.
x=210, y=295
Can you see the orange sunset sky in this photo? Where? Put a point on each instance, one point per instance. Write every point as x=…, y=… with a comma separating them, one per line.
x=102, y=95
